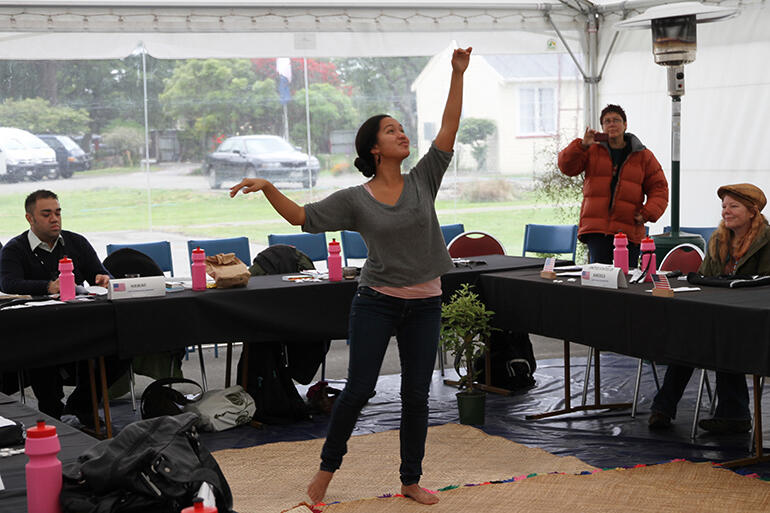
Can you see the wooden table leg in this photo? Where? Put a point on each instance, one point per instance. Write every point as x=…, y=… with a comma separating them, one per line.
x=105, y=397
x=567, y=393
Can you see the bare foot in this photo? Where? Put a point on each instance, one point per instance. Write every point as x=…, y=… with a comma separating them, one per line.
x=414, y=492
x=318, y=485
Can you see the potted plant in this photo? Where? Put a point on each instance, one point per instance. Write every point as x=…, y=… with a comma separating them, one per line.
x=465, y=329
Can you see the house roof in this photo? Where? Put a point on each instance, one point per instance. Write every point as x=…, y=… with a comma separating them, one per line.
x=525, y=66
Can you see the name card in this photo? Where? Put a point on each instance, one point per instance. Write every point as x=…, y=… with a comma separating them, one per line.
x=603, y=275
x=148, y=286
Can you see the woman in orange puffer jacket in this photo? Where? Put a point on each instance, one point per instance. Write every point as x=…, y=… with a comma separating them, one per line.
x=620, y=173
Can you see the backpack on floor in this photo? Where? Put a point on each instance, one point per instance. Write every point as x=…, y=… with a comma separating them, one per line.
x=151, y=466
x=513, y=361
x=275, y=396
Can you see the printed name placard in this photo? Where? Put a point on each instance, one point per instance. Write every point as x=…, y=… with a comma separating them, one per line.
x=148, y=286
x=603, y=275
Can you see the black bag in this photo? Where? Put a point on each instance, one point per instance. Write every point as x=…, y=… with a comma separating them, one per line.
x=159, y=398
x=151, y=466
x=512, y=360
x=270, y=384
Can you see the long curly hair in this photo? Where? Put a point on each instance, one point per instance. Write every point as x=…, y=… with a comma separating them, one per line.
x=721, y=243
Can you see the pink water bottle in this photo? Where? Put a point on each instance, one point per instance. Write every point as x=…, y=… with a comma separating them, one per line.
x=199, y=507
x=66, y=280
x=649, y=262
x=334, y=261
x=44, y=478
x=198, y=269
x=620, y=254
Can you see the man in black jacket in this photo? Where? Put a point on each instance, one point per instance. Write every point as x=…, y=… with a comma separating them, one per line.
x=29, y=265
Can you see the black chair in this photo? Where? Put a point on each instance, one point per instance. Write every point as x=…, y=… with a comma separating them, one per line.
x=125, y=261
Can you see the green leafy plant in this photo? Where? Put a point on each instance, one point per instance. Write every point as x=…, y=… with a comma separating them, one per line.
x=465, y=328
x=475, y=131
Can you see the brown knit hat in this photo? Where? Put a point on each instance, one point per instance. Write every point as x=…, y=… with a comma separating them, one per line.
x=748, y=194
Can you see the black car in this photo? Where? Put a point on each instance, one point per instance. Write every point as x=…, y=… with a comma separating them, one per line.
x=69, y=156
x=260, y=156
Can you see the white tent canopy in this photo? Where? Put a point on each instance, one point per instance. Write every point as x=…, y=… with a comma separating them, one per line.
x=726, y=87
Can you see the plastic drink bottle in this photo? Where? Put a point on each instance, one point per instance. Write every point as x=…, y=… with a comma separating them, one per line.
x=334, y=261
x=620, y=254
x=198, y=269
x=43, y=471
x=66, y=280
x=649, y=262
x=199, y=507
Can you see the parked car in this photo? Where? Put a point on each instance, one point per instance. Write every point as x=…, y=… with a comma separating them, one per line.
x=69, y=155
x=260, y=156
x=26, y=156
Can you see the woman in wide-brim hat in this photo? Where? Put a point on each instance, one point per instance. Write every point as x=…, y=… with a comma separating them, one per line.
x=739, y=246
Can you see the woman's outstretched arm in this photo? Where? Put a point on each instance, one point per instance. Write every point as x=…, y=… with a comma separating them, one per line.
x=289, y=210
x=450, y=122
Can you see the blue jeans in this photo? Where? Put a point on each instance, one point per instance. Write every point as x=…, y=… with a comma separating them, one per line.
x=374, y=317
x=732, y=393
x=601, y=247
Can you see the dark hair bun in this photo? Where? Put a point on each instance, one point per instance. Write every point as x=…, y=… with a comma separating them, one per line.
x=364, y=167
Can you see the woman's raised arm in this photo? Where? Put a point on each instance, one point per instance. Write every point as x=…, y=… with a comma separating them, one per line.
x=289, y=210
x=450, y=122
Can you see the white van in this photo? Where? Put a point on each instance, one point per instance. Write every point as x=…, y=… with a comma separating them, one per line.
x=26, y=156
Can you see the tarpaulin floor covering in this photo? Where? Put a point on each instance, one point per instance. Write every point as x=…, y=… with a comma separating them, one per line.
x=604, y=439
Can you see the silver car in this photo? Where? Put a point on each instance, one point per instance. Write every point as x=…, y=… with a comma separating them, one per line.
x=260, y=156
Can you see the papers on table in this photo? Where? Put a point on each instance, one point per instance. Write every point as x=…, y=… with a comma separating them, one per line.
x=570, y=273
x=682, y=289
x=34, y=303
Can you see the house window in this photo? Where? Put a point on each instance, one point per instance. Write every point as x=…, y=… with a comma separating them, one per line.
x=537, y=110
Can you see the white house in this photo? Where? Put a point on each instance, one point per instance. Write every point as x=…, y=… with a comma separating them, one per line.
x=535, y=101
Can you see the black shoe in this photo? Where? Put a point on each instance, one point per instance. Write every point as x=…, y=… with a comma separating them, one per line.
x=659, y=420
x=719, y=426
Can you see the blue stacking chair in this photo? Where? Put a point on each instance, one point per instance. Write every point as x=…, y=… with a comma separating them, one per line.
x=703, y=231
x=451, y=231
x=353, y=245
x=550, y=238
x=311, y=244
x=237, y=245
x=159, y=251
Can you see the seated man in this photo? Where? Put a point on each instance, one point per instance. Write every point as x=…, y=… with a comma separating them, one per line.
x=29, y=265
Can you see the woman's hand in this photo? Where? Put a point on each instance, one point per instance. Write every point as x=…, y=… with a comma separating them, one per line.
x=588, y=137
x=248, y=185
x=461, y=58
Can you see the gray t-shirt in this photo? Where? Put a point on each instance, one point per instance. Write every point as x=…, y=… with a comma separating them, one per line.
x=404, y=241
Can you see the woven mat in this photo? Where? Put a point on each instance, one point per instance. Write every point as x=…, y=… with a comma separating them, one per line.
x=674, y=487
x=274, y=477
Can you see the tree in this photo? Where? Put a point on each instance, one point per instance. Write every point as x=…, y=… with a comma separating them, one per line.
x=330, y=109
x=37, y=115
x=220, y=96
x=384, y=85
x=318, y=71
x=474, y=131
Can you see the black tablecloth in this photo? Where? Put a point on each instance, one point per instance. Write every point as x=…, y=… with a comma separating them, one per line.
x=716, y=328
x=48, y=335
x=73, y=442
x=268, y=308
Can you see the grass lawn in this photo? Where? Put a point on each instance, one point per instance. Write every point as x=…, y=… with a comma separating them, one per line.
x=214, y=214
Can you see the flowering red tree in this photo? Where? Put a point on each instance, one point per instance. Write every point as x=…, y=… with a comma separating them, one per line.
x=317, y=72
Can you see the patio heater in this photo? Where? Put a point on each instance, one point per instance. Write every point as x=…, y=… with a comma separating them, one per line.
x=674, y=45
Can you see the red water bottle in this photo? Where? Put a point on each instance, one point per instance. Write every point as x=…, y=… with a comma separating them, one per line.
x=620, y=254
x=199, y=507
x=198, y=269
x=334, y=261
x=649, y=262
x=66, y=280
x=43, y=471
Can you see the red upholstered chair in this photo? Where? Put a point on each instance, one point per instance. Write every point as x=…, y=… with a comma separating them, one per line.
x=471, y=244
x=684, y=257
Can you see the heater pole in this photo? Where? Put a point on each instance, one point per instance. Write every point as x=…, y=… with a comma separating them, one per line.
x=676, y=128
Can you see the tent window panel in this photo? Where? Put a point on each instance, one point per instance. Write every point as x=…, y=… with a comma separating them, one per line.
x=429, y=130
x=537, y=110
